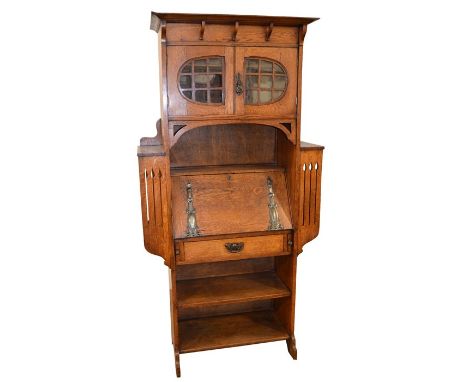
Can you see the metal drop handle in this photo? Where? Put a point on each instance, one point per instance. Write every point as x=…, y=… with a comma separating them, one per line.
x=192, y=227
x=238, y=84
x=234, y=247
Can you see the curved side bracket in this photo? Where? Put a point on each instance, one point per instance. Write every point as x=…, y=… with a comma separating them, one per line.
x=268, y=31
x=302, y=33
x=236, y=29
x=153, y=141
x=202, y=29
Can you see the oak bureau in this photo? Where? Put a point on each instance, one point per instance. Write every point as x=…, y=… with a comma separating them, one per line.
x=229, y=193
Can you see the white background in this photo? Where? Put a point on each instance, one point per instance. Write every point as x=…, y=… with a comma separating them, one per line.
x=382, y=292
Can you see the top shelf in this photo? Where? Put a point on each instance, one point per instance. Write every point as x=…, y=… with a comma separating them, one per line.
x=197, y=18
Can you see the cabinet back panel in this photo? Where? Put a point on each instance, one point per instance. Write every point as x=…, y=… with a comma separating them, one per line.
x=223, y=309
x=225, y=145
x=224, y=268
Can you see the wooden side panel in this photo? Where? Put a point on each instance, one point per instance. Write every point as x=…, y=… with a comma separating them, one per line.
x=174, y=309
x=286, y=157
x=285, y=307
x=154, y=205
x=309, y=181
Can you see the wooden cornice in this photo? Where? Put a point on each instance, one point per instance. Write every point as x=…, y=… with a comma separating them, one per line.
x=193, y=18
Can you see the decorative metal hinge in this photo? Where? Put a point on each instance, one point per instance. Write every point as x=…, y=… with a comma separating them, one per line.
x=275, y=223
x=192, y=227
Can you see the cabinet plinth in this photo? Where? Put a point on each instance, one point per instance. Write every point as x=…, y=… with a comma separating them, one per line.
x=229, y=193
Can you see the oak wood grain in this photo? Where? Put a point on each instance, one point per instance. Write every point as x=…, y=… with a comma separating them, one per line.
x=310, y=170
x=220, y=19
x=177, y=103
x=219, y=269
x=225, y=145
x=246, y=34
x=286, y=105
x=220, y=298
x=227, y=331
x=215, y=250
x=196, y=311
x=229, y=289
x=229, y=203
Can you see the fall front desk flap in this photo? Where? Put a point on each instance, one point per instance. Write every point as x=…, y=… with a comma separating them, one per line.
x=216, y=204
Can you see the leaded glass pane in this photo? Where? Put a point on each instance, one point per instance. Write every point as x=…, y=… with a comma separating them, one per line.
x=201, y=80
x=265, y=81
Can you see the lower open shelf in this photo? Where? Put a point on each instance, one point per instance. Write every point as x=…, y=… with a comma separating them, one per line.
x=231, y=330
x=230, y=289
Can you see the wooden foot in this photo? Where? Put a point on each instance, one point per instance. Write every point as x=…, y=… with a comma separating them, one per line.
x=291, y=342
x=177, y=362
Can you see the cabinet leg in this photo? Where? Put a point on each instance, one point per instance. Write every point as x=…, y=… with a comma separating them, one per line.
x=177, y=362
x=291, y=342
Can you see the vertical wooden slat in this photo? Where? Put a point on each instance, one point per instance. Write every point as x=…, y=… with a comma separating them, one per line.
x=152, y=217
x=301, y=193
x=166, y=222
x=160, y=222
x=144, y=209
x=307, y=193
x=313, y=188
x=318, y=191
x=156, y=197
x=144, y=194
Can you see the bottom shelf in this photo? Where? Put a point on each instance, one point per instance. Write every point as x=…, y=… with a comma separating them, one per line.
x=227, y=331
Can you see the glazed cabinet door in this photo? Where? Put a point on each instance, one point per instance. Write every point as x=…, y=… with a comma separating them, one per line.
x=200, y=80
x=268, y=78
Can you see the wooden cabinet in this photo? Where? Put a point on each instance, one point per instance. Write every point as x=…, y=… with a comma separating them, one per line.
x=232, y=81
x=229, y=193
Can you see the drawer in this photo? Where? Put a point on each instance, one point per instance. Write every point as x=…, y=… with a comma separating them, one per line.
x=232, y=248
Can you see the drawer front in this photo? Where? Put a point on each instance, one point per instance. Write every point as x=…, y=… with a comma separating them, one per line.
x=234, y=248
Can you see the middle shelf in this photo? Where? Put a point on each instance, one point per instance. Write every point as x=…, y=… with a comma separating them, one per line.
x=230, y=289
